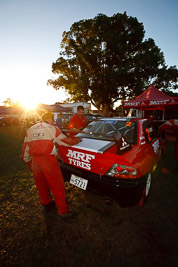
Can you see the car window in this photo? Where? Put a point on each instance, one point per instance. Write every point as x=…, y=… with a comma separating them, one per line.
x=150, y=131
x=106, y=128
x=89, y=117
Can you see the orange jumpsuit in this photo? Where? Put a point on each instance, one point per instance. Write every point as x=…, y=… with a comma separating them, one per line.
x=40, y=152
x=171, y=125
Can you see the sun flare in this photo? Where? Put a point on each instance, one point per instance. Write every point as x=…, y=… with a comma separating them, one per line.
x=29, y=104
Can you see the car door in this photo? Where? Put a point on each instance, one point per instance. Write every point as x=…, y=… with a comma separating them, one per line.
x=152, y=142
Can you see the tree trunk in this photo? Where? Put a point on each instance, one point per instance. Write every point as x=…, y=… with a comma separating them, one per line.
x=106, y=110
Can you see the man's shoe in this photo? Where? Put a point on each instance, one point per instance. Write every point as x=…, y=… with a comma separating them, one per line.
x=64, y=216
x=47, y=208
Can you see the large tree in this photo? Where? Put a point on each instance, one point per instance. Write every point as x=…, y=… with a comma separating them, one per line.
x=107, y=58
x=8, y=102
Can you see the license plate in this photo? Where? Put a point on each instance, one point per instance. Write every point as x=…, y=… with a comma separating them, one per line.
x=79, y=182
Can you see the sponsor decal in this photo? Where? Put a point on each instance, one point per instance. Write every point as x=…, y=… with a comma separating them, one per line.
x=109, y=122
x=80, y=159
x=124, y=144
x=142, y=140
x=161, y=102
x=148, y=131
x=38, y=134
x=128, y=123
x=142, y=104
x=142, y=143
x=172, y=101
x=156, y=146
x=132, y=104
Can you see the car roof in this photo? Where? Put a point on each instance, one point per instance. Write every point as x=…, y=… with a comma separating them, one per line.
x=121, y=118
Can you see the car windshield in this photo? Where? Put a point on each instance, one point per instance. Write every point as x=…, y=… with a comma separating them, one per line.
x=106, y=128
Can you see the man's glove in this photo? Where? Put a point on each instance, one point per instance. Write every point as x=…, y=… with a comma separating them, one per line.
x=75, y=140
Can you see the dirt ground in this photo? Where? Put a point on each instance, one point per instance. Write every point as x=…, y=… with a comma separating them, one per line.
x=97, y=234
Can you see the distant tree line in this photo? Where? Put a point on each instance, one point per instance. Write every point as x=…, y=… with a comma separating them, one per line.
x=10, y=103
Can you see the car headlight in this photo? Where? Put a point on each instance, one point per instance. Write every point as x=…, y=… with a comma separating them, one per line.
x=122, y=171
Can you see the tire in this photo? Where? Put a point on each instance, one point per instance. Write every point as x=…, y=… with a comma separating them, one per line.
x=148, y=184
x=146, y=190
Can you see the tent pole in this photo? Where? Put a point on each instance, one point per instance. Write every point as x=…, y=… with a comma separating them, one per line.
x=163, y=115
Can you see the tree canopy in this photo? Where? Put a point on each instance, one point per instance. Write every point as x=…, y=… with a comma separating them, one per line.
x=107, y=59
x=8, y=102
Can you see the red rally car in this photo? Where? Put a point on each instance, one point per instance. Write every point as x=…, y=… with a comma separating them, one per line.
x=116, y=158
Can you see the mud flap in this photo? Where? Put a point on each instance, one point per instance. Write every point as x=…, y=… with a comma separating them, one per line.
x=142, y=200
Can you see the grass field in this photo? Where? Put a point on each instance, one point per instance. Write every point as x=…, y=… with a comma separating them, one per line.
x=97, y=235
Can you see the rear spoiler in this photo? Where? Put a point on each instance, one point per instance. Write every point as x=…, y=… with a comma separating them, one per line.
x=122, y=144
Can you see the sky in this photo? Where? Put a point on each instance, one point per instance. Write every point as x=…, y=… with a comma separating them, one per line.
x=31, y=34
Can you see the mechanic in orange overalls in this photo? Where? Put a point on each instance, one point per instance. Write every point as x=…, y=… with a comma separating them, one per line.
x=40, y=154
x=171, y=125
x=77, y=122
